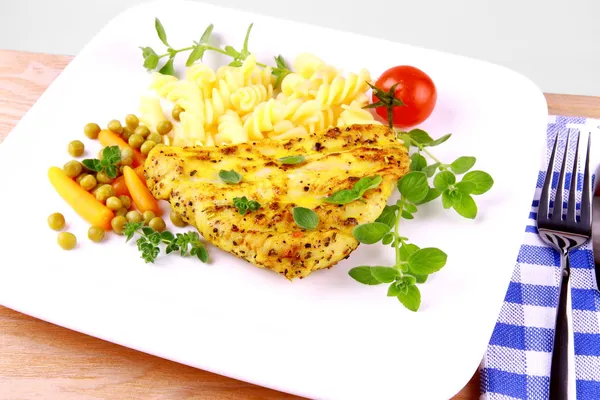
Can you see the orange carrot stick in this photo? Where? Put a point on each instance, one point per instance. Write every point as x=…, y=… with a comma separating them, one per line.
x=139, y=192
x=82, y=201
x=108, y=138
x=119, y=183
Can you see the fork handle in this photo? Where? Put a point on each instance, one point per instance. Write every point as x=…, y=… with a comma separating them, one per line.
x=562, y=372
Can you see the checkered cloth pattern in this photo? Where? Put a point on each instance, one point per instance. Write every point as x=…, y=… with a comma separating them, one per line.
x=517, y=362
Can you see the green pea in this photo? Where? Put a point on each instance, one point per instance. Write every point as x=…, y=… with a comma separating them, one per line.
x=132, y=121
x=91, y=130
x=73, y=168
x=67, y=240
x=95, y=234
x=164, y=127
x=115, y=126
x=56, y=221
x=76, y=148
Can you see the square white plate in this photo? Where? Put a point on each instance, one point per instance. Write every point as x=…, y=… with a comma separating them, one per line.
x=322, y=337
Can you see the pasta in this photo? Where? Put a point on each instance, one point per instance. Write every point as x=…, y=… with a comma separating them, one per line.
x=231, y=104
x=246, y=98
x=355, y=114
x=230, y=129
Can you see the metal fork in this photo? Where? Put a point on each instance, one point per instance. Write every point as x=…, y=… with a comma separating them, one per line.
x=565, y=233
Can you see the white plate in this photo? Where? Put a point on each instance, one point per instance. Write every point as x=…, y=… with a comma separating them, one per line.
x=323, y=337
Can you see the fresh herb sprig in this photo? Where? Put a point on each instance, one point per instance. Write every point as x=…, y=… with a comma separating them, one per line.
x=111, y=156
x=150, y=240
x=152, y=58
x=456, y=194
x=244, y=205
x=413, y=264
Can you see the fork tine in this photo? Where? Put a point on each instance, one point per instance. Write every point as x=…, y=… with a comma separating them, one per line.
x=545, y=195
x=586, y=200
x=572, y=202
x=558, y=201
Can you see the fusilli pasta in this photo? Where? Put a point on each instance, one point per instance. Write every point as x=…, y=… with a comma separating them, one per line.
x=237, y=104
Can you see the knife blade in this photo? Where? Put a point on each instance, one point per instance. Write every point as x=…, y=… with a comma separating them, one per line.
x=596, y=229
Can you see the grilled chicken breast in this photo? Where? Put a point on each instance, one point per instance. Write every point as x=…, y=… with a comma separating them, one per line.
x=269, y=237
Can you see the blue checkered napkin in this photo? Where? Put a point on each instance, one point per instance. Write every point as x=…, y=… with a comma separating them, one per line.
x=517, y=362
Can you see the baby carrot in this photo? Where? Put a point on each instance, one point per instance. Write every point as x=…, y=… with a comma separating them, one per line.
x=108, y=138
x=119, y=183
x=82, y=201
x=143, y=199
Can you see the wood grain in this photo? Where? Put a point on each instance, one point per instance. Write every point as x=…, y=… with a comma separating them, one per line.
x=42, y=360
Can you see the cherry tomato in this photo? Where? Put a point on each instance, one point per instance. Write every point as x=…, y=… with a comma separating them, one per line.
x=416, y=90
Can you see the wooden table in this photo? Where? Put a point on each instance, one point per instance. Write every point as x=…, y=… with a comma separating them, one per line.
x=42, y=360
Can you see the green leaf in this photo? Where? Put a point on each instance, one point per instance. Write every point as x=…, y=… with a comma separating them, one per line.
x=235, y=63
x=230, y=177
x=167, y=236
x=420, y=278
x=151, y=61
x=414, y=186
x=111, y=171
x=344, y=196
x=370, y=233
x=417, y=162
x=482, y=180
x=407, y=215
x=245, y=51
x=111, y=155
x=291, y=159
x=444, y=179
x=446, y=199
x=406, y=250
x=411, y=208
x=363, y=275
x=384, y=274
x=432, y=194
x=231, y=51
x=409, y=280
x=411, y=299
x=388, y=216
x=405, y=139
x=243, y=204
x=366, y=183
x=253, y=205
x=465, y=187
x=147, y=51
x=387, y=239
x=168, y=69
x=430, y=169
x=465, y=206
x=202, y=254
x=440, y=140
x=150, y=58
x=394, y=290
x=206, y=34
x=160, y=30
x=195, y=55
x=463, y=164
x=305, y=217
x=92, y=164
x=427, y=261
x=420, y=136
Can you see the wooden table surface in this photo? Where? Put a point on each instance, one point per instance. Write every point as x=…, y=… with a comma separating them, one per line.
x=42, y=360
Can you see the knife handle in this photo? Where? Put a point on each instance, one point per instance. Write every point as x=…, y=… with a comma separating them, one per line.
x=562, y=372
